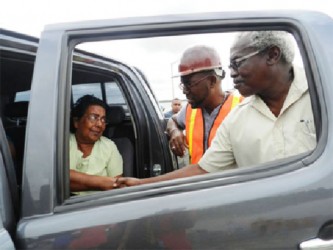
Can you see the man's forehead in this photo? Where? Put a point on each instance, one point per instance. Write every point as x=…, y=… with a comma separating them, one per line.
x=240, y=46
x=242, y=41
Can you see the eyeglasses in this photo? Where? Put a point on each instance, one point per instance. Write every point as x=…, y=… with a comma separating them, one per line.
x=189, y=85
x=93, y=118
x=235, y=64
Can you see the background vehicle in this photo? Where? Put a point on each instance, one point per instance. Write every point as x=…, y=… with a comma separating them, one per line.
x=276, y=205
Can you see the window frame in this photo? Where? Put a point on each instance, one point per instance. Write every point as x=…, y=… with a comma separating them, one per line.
x=239, y=175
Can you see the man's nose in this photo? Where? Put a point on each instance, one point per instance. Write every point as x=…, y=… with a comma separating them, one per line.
x=185, y=90
x=233, y=72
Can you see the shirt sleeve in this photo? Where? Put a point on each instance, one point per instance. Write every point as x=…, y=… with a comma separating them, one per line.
x=168, y=114
x=181, y=116
x=219, y=155
x=74, y=153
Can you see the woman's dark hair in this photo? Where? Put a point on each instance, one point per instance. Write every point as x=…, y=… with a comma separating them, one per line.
x=81, y=106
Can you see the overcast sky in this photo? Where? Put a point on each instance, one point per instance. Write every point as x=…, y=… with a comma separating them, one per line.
x=158, y=63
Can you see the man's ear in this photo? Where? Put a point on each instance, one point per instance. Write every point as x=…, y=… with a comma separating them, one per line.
x=213, y=80
x=274, y=55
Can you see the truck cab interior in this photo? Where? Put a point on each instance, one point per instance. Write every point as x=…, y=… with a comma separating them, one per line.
x=17, y=64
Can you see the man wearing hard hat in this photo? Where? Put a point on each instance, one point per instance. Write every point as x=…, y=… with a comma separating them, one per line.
x=201, y=74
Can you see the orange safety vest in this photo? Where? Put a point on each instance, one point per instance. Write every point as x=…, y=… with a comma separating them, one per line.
x=195, y=127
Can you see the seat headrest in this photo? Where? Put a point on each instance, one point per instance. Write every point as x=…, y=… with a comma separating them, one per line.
x=117, y=115
x=17, y=109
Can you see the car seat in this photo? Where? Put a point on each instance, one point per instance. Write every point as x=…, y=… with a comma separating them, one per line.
x=124, y=144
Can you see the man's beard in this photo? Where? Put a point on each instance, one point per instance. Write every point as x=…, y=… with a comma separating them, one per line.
x=196, y=104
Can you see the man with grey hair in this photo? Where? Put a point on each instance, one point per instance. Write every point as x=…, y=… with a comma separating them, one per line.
x=274, y=122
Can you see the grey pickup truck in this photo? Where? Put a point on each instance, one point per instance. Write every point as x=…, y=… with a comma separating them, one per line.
x=284, y=204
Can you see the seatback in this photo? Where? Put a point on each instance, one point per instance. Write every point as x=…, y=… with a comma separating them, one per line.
x=124, y=144
x=115, y=119
x=126, y=150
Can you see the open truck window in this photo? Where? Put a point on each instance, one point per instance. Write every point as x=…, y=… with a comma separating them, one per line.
x=152, y=63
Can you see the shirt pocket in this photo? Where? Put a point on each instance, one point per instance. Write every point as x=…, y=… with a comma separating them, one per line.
x=306, y=134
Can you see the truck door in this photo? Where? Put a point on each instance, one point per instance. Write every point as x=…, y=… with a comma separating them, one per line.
x=274, y=205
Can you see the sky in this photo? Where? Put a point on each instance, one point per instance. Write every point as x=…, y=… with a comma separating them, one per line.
x=157, y=58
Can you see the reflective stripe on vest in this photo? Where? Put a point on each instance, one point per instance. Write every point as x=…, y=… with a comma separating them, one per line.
x=190, y=130
x=195, y=127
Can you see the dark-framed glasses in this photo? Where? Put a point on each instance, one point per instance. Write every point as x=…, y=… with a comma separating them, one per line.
x=188, y=85
x=93, y=118
x=235, y=64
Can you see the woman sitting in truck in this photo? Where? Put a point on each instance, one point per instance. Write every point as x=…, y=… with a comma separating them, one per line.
x=95, y=161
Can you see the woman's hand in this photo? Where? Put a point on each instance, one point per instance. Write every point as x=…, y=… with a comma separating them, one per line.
x=85, y=182
x=126, y=182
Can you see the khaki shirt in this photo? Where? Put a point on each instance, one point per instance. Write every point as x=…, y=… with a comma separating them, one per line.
x=251, y=134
